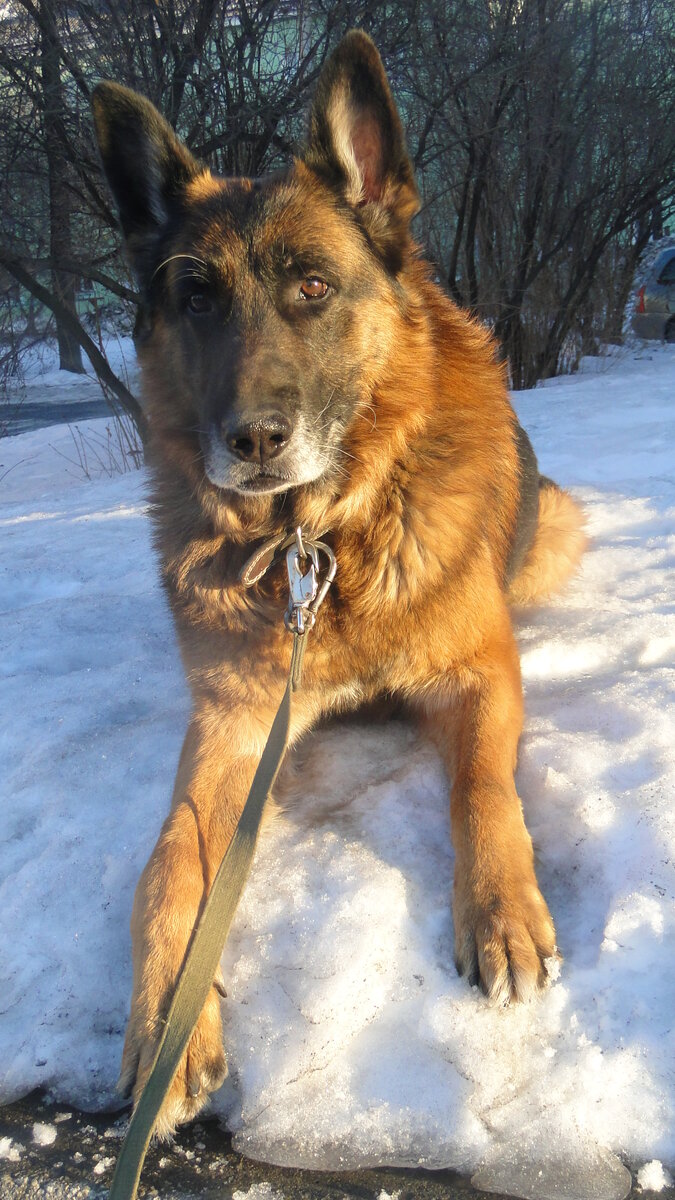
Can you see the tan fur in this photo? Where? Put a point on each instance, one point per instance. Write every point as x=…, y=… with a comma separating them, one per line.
x=418, y=612
x=421, y=514
x=556, y=551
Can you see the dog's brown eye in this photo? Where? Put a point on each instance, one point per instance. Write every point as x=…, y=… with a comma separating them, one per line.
x=313, y=288
x=199, y=303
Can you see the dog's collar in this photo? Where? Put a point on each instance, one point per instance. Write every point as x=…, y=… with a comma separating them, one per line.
x=262, y=559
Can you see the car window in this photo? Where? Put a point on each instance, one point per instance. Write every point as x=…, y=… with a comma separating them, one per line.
x=668, y=273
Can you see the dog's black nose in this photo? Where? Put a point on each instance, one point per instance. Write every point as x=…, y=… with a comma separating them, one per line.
x=260, y=439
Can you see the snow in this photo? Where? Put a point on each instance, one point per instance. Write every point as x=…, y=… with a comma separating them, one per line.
x=350, y=1039
x=44, y=1135
x=258, y=1191
x=9, y=1151
x=653, y=1178
x=39, y=366
x=103, y=1165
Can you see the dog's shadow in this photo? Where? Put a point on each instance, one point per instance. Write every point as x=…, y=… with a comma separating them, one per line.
x=348, y=772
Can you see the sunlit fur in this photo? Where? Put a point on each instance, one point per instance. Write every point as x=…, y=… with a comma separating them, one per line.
x=419, y=500
x=556, y=550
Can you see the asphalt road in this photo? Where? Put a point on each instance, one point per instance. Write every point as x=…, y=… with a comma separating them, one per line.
x=38, y=405
x=23, y=418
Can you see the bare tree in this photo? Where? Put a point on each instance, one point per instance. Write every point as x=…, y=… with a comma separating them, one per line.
x=60, y=234
x=543, y=132
x=234, y=79
x=552, y=140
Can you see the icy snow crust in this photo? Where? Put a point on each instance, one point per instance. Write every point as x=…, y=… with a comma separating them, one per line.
x=351, y=1040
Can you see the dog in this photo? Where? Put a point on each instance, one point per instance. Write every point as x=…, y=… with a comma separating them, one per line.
x=301, y=367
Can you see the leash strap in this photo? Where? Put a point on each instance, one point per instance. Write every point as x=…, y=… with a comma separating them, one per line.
x=196, y=978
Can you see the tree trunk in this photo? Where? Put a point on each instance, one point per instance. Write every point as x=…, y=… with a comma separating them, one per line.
x=127, y=403
x=64, y=284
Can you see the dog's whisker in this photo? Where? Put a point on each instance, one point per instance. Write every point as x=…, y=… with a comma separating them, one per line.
x=198, y=276
x=348, y=454
x=319, y=415
x=172, y=258
x=373, y=423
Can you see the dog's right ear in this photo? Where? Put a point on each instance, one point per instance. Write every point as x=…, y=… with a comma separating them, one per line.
x=146, y=165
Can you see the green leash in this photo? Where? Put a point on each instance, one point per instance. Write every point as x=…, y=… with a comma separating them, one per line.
x=196, y=978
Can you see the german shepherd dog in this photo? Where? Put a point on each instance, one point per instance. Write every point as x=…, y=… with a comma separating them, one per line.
x=301, y=367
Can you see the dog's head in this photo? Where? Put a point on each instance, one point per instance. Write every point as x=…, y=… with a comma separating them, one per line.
x=266, y=304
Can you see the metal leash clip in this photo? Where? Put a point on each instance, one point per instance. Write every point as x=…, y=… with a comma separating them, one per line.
x=307, y=593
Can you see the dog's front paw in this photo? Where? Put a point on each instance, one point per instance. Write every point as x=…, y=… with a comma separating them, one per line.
x=504, y=936
x=202, y=1070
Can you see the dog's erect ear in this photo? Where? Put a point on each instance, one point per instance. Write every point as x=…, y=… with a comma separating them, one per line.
x=146, y=165
x=356, y=139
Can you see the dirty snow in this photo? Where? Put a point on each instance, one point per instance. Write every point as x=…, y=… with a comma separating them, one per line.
x=103, y=1165
x=258, y=1191
x=44, y=1135
x=350, y=1038
x=653, y=1178
x=10, y=1151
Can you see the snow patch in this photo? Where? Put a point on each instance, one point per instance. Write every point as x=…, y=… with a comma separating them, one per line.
x=653, y=1178
x=259, y=1191
x=351, y=1041
x=103, y=1165
x=542, y=1163
x=44, y=1135
x=9, y=1151
x=40, y=365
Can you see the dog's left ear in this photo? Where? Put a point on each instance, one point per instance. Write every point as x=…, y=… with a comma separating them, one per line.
x=356, y=141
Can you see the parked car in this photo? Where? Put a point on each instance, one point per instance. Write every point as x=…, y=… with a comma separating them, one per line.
x=654, y=313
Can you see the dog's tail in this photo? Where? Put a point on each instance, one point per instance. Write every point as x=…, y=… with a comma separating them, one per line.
x=558, y=544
